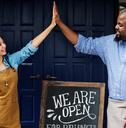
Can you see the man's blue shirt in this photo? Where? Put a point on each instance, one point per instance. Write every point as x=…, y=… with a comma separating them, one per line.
x=113, y=55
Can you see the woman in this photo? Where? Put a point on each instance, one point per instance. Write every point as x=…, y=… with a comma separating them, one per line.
x=9, y=107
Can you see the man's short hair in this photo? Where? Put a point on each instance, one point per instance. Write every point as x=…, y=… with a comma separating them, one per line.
x=122, y=11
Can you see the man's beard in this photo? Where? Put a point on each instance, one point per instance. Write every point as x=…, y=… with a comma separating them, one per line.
x=117, y=37
x=120, y=37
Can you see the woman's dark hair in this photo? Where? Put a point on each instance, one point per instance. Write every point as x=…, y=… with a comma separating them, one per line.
x=3, y=38
x=6, y=56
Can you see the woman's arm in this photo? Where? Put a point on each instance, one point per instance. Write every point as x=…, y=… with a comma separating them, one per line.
x=20, y=56
x=39, y=39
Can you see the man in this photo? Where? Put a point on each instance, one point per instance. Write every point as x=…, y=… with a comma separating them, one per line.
x=112, y=51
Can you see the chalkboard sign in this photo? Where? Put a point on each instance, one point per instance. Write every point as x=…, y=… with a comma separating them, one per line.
x=72, y=105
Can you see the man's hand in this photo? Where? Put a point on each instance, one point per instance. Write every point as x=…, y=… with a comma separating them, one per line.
x=69, y=33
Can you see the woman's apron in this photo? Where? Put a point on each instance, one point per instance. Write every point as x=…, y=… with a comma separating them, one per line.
x=9, y=107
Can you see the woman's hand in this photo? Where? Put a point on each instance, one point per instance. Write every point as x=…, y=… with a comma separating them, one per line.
x=53, y=23
x=56, y=13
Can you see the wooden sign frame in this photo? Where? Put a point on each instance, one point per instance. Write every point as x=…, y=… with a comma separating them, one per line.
x=46, y=84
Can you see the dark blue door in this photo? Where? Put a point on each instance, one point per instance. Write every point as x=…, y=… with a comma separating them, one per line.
x=21, y=20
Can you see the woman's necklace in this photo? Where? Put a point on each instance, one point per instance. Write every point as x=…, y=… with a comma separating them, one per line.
x=2, y=68
x=6, y=83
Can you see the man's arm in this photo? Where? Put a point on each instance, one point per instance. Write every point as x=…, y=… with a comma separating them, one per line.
x=69, y=34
